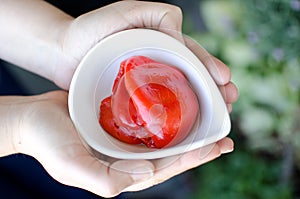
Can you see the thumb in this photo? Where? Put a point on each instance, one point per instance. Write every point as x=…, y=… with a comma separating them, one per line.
x=103, y=178
x=124, y=173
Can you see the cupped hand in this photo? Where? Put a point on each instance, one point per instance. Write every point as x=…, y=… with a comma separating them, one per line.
x=49, y=135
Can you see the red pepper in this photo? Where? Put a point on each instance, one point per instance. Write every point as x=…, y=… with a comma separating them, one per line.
x=151, y=103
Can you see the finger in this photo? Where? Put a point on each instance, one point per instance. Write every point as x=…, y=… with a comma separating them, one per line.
x=174, y=165
x=192, y=159
x=229, y=92
x=226, y=145
x=168, y=167
x=229, y=108
x=217, y=69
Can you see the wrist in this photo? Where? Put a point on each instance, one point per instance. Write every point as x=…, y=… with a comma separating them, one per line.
x=12, y=111
x=33, y=36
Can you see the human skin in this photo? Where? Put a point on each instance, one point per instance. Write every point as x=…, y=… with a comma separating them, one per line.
x=41, y=38
x=40, y=126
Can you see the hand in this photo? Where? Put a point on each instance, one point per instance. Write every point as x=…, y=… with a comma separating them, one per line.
x=218, y=70
x=168, y=167
x=41, y=38
x=48, y=134
x=88, y=29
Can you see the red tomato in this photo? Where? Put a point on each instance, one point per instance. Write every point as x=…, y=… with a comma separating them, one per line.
x=108, y=123
x=151, y=103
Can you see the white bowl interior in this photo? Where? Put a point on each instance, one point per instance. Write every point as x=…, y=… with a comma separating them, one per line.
x=94, y=77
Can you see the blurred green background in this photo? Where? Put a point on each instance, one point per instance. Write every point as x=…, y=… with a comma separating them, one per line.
x=260, y=41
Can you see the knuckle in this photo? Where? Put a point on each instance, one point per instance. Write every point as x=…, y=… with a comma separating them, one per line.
x=174, y=11
x=177, y=10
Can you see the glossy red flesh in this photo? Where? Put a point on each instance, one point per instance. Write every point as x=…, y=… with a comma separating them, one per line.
x=149, y=104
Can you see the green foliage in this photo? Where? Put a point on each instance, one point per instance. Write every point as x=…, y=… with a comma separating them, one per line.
x=241, y=175
x=273, y=26
x=260, y=41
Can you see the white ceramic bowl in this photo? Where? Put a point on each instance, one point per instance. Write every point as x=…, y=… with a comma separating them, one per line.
x=93, y=81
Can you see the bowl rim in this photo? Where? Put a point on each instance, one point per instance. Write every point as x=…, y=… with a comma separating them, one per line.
x=151, y=38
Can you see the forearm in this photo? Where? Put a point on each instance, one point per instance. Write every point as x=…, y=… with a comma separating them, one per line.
x=31, y=34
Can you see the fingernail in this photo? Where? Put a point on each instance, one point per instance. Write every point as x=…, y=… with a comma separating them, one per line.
x=227, y=150
x=142, y=173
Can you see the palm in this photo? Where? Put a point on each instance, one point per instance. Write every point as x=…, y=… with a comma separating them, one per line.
x=54, y=142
